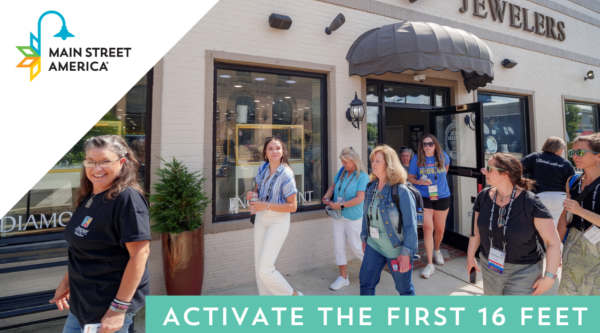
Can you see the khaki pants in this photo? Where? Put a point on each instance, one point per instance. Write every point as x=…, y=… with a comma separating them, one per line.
x=516, y=279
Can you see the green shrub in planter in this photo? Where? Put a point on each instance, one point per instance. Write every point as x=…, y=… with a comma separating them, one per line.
x=179, y=201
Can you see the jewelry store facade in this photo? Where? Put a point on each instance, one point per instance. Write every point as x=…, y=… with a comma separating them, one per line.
x=233, y=80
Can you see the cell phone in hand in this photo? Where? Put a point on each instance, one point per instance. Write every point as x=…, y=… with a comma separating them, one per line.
x=327, y=201
x=91, y=328
x=395, y=265
x=473, y=275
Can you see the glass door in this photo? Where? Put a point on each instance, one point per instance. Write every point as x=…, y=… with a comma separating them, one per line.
x=459, y=131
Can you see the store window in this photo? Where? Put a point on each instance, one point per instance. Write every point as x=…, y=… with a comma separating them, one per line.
x=43, y=212
x=253, y=104
x=504, y=125
x=580, y=119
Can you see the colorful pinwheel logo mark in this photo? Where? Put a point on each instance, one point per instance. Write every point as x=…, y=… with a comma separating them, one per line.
x=33, y=58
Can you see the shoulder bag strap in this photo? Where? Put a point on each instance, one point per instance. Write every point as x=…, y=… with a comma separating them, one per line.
x=481, y=194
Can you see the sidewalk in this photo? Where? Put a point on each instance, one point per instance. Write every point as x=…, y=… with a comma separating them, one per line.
x=450, y=279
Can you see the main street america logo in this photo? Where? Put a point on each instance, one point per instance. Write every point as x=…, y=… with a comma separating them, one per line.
x=33, y=59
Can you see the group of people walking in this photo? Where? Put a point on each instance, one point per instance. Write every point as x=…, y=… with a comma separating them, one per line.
x=517, y=222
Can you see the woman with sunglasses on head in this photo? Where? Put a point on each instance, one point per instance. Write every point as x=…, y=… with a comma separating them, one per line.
x=510, y=227
x=581, y=220
x=348, y=196
x=428, y=171
x=550, y=172
x=109, y=241
x=276, y=193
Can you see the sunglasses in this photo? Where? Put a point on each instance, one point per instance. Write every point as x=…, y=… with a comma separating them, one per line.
x=501, y=219
x=489, y=168
x=579, y=152
x=428, y=144
x=272, y=137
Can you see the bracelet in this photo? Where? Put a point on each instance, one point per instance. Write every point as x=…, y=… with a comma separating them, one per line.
x=117, y=310
x=550, y=275
x=118, y=301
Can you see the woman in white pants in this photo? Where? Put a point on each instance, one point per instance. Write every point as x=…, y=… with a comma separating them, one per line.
x=551, y=172
x=348, y=195
x=276, y=191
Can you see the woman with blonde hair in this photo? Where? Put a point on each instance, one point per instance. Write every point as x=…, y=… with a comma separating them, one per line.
x=348, y=192
x=550, y=172
x=428, y=170
x=389, y=232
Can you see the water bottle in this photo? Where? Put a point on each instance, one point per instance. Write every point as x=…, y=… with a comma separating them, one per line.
x=253, y=199
x=419, y=216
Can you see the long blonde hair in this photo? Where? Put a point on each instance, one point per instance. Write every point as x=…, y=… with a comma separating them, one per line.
x=394, y=170
x=349, y=154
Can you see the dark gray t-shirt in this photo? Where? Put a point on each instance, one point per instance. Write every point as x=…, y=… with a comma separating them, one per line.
x=98, y=254
x=521, y=235
x=550, y=171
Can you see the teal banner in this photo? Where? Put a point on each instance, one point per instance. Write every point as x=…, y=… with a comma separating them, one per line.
x=384, y=313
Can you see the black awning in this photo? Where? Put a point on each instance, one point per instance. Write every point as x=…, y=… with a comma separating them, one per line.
x=418, y=46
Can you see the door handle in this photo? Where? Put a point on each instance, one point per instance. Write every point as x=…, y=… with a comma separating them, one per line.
x=465, y=172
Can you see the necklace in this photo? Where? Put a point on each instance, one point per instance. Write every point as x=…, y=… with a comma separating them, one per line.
x=502, y=197
x=89, y=203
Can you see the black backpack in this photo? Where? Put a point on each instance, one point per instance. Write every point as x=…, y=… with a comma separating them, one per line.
x=396, y=199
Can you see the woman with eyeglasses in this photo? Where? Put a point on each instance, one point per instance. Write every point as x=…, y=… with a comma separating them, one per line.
x=109, y=241
x=348, y=192
x=581, y=220
x=550, y=172
x=511, y=228
x=428, y=170
x=276, y=193
x=406, y=155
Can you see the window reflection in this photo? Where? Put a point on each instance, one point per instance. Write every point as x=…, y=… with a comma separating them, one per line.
x=48, y=206
x=252, y=106
x=504, y=125
x=580, y=119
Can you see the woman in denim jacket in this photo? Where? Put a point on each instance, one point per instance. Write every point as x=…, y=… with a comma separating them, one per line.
x=381, y=242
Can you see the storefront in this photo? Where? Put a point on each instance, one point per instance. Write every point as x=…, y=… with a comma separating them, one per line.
x=233, y=80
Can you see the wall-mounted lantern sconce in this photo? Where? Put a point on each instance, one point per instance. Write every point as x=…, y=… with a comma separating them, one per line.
x=279, y=21
x=336, y=23
x=589, y=76
x=356, y=112
x=507, y=63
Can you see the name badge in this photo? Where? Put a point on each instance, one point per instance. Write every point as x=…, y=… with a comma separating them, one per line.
x=374, y=232
x=592, y=234
x=433, y=192
x=340, y=199
x=496, y=260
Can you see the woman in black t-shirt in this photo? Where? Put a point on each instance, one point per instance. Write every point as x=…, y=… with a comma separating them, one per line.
x=508, y=223
x=108, y=237
x=581, y=258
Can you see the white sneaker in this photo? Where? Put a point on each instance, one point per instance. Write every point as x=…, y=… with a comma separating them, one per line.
x=339, y=283
x=299, y=293
x=438, y=257
x=428, y=271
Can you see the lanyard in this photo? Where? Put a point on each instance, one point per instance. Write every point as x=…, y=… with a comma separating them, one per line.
x=271, y=185
x=512, y=198
x=593, y=201
x=340, y=187
x=375, y=194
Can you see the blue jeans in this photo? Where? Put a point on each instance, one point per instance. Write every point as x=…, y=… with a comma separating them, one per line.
x=72, y=324
x=370, y=273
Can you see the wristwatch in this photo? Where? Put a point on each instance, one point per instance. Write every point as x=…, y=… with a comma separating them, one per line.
x=342, y=207
x=550, y=275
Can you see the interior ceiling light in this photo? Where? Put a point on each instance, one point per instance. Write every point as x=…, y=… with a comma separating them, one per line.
x=225, y=76
x=238, y=86
x=290, y=81
x=288, y=96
